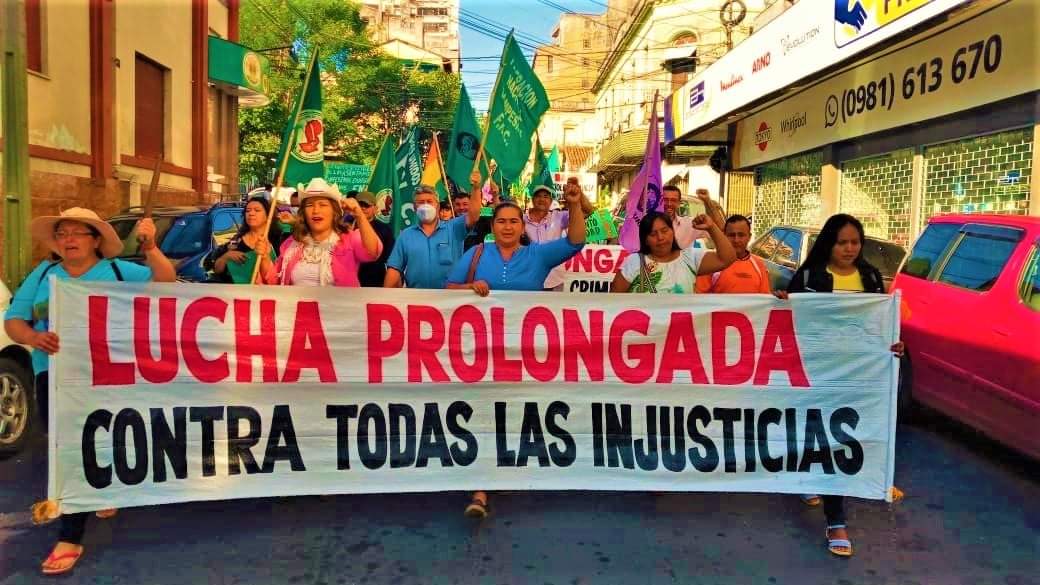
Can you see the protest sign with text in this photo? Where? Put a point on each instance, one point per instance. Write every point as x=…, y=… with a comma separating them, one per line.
x=170, y=392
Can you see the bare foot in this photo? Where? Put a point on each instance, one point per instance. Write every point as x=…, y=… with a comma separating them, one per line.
x=62, y=558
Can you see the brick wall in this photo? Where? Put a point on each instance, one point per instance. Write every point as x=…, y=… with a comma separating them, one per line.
x=877, y=191
x=53, y=193
x=986, y=174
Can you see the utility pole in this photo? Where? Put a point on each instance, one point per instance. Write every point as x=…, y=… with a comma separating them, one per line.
x=17, y=198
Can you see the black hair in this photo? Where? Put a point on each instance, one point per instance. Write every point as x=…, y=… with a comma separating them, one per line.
x=273, y=234
x=672, y=188
x=646, y=225
x=820, y=253
x=352, y=194
x=268, y=186
x=736, y=217
x=504, y=205
x=445, y=204
x=295, y=194
x=459, y=195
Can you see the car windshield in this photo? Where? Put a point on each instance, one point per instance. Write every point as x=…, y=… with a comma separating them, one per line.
x=885, y=256
x=178, y=237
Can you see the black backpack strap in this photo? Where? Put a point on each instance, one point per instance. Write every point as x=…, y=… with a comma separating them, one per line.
x=45, y=271
x=116, y=270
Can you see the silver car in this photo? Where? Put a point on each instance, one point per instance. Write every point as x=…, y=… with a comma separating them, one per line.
x=17, y=399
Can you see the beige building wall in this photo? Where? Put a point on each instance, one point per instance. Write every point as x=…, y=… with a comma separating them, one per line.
x=169, y=45
x=59, y=103
x=218, y=19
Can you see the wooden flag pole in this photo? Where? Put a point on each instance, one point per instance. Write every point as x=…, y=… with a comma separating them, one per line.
x=149, y=196
x=487, y=119
x=642, y=196
x=288, y=153
x=444, y=174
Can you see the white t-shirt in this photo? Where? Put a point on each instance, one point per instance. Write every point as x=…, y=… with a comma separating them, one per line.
x=676, y=277
x=685, y=233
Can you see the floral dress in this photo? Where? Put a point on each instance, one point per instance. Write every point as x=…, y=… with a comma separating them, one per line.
x=678, y=276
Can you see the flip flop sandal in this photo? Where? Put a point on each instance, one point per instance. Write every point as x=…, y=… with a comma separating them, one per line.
x=74, y=555
x=841, y=547
x=477, y=508
x=106, y=513
x=811, y=500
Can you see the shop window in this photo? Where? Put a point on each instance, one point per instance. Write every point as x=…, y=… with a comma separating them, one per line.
x=929, y=249
x=877, y=191
x=149, y=108
x=985, y=174
x=977, y=261
x=1030, y=290
x=34, y=35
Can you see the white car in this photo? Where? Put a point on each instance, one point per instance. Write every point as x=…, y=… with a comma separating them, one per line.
x=17, y=399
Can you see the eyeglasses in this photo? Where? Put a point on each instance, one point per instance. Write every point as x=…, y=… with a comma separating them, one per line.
x=61, y=235
x=364, y=205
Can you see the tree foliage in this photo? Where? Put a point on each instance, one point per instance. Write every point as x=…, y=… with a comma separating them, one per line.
x=367, y=94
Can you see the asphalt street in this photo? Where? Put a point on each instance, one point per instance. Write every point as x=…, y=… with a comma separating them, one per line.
x=971, y=516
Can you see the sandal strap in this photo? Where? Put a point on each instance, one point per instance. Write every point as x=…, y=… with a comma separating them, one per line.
x=68, y=555
x=839, y=542
x=836, y=526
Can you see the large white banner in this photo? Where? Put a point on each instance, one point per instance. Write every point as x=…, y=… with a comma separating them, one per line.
x=173, y=392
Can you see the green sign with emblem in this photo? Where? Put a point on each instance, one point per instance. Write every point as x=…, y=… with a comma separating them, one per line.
x=240, y=71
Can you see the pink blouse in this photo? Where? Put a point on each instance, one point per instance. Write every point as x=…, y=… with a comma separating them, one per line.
x=348, y=254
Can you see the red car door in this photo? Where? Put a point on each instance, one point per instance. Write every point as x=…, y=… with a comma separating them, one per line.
x=976, y=288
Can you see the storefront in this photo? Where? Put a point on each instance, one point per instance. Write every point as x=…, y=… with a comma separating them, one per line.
x=943, y=121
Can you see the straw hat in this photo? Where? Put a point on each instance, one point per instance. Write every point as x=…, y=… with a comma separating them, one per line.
x=42, y=229
x=319, y=188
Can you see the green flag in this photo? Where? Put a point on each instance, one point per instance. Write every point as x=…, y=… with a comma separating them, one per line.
x=409, y=176
x=542, y=174
x=304, y=136
x=464, y=144
x=383, y=182
x=516, y=107
x=554, y=161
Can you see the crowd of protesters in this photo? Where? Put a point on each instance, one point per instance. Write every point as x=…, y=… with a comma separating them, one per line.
x=332, y=240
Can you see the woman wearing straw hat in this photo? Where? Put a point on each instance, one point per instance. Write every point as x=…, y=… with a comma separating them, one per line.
x=84, y=248
x=320, y=252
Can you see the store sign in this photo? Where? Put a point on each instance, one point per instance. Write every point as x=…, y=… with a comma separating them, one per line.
x=806, y=39
x=979, y=61
x=240, y=71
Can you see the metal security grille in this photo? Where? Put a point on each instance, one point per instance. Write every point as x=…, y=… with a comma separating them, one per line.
x=985, y=174
x=788, y=192
x=740, y=193
x=878, y=191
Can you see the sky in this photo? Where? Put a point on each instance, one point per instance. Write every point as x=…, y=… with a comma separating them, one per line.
x=480, y=53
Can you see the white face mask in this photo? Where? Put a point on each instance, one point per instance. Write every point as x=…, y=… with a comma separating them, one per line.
x=426, y=212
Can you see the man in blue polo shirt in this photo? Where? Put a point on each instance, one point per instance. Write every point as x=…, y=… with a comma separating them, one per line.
x=425, y=252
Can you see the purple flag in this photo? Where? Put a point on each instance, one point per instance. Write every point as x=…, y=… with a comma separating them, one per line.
x=645, y=192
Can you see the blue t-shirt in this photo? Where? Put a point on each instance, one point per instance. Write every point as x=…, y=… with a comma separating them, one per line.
x=425, y=261
x=32, y=301
x=525, y=270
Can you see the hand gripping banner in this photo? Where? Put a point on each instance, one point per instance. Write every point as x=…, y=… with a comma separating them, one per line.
x=170, y=392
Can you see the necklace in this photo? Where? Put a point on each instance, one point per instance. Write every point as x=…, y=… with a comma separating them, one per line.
x=316, y=252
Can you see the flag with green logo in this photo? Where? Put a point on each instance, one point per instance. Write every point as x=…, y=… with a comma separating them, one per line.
x=516, y=108
x=464, y=145
x=409, y=176
x=303, y=140
x=383, y=181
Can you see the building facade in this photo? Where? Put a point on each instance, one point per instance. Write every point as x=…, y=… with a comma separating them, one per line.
x=640, y=64
x=430, y=25
x=110, y=92
x=932, y=112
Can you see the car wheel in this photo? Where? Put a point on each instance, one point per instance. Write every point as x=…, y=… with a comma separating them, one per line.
x=905, y=406
x=17, y=407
